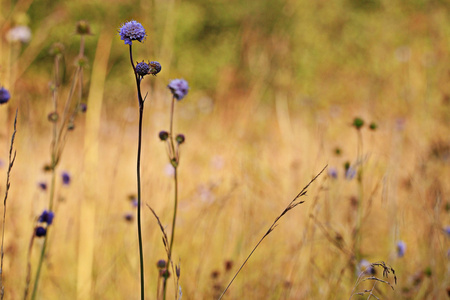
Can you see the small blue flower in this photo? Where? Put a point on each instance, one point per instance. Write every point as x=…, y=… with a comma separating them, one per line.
x=447, y=230
x=43, y=186
x=142, y=69
x=46, y=217
x=401, y=248
x=65, y=178
x=155, y=67
x=132, y=31
x=366, y=267
x=4, y=95
x=179, y=88
x=333, y=172
x=40, y=231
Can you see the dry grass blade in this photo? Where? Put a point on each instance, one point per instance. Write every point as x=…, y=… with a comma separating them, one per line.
x=386, y=271
x=12, y=158
x=291, y=205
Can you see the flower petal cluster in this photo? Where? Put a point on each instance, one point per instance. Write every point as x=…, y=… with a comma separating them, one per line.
x=46, y=217
x=132, y=31
x=155, y=67
x=4, y=95
x=142, y=69
x=179, y=88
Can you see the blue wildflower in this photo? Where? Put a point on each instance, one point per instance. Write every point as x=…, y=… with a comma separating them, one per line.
x=40, y=231
x=43, y=186
x=366, y=267
x=142, y=69
x=4, y=95
x=155, y=67
x=401, y=248
x=333, y=172
x=179, y=88
x=447, y=230
x=46, y=217
x=65, y=178
x=132, y=31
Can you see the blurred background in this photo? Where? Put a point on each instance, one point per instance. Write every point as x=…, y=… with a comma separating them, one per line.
x=275, y=87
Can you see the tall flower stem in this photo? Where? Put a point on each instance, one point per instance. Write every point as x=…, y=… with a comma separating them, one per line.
x=141, y=114
x=174, y=159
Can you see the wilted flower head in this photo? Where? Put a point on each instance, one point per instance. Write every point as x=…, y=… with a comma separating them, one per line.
x=142, y=69
x=155, y=67
x=179, y=88
x=132, y=31
x=401, y=248
x=19, y=33
x=40, y=231
x=65, y=177
x=83, y=28
x=46, y=217
x=4, y=95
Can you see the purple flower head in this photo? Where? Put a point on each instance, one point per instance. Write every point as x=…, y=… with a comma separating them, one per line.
x=401, y=248
x=366, y=267
x=42, y=186
x=82, y=107
x=40, y=231
x=142, y=69
x=128, y=217
x=333, y=172
x=46, y=217
x=155, y=67
x=447, y=230
x=65, y=178
x=132, y=31
x=4, y=95
x=179, y=88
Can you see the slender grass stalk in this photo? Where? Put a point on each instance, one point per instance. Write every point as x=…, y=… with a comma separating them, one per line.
x=57, y=145
x=12, y=158
x=291, y=205
x=174, y=160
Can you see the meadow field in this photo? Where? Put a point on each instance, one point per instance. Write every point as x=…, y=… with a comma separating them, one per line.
x=278, y=90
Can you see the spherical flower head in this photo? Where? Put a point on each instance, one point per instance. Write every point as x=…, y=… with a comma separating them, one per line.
x=83, y=28
x=401, y=248
x=358, y=123
x=40, y=231
x=179, y=88
x=46, y=217
x=163, y=135
x=180, y=139
x=161, y=264
x=155, y=67
x=142, y=69
x=4, y=95
x=333, y=172
x=132, y=31
x=65, y=178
